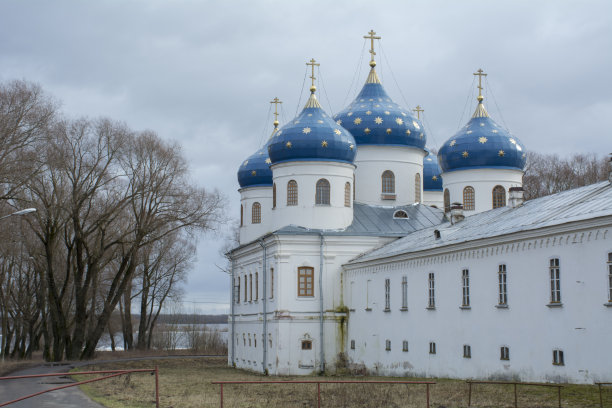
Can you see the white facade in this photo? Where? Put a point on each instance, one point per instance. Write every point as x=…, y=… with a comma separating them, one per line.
x=433, y=198
x=249, y=196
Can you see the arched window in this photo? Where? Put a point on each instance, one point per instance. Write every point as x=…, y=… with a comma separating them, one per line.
x=241, y=215
x=353, y=187
x=388, y=182
x=446, y=200
x=499, y=197
x=468, y=198
x=400, y=214
x=256, y=213
x=322, y=193
x=347, y=194
x=417, y=188
x=274, y=195
x=292, y=192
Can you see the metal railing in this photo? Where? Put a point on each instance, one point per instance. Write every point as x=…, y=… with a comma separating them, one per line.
x=515, y=383
x=599, y=384
x=113, y=373
x=221, y=383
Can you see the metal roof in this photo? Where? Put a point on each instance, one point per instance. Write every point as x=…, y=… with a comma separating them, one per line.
x=578, y=204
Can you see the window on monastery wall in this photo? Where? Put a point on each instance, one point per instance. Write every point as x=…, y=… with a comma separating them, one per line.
x=256, y=213
x=404, y=293
x=237, y=290
x=469, y=198
x=250, y=287
x=271, y=283
x=352, y=344
x=270, y=339
x=431, y=298
x=250, y=340
x=432, y=348
x=353, y=187
x=417, y=188
x=322, y=193
x=465, y=283
x=467, y=351
x=306, y=345
x=305, y=281
x=446, y=200
x=499, y=197
x=254, y=341
x=274, y=195
x=241, y=215
x=256, y=286
x=503, y=285
x=405, y=345
x=292, y=192
x=347, y=194
x=555, y=281
x=387, y=295
x=388, y=183
x=610, y=277
x=504, y=353
x=368, y=300
x=245, y=288
x=244, y=339
x=388, y=345
x=558, y=357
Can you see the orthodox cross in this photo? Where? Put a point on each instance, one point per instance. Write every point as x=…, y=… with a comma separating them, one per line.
x=312, y=63
x=371, y=35
x=480, y=74
x=418, y=110
x=276, y=101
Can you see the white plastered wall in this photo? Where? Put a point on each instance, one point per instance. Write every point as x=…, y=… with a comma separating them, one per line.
x=433, y=198
x=248, y=196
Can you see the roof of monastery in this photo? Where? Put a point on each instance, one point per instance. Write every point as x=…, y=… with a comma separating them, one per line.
x=579, y=204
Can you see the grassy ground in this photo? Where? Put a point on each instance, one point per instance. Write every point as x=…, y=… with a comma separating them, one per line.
x=187, y=383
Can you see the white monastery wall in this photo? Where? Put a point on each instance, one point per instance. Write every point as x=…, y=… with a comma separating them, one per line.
x=248, y=196
x=433, y=198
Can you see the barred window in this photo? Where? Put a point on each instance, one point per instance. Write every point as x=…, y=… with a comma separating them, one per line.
x=256, y=285
x=305, y=281
x=237, y=292
x=250, y=287
x=405, y=345
x=504, y=353
x=555, y=281
x=387, y=294
x=388, y=182
x=404, y=293
x=610, y=277
x=306, y=345
x=467, y=351
x=246, y=288
x=322, y=193
x=558, y=357
x=388, y=345
x=503, y=285
x=274, y=195
x=446, y=200
x=352, y=344
x=417, y=188
x=292, y=192
x=256, y=213
x=499, y=197
x=465, y=279
x=347, y=194
x=271, y=283
x=468, y=198
x=431, y=303
x=432, y=348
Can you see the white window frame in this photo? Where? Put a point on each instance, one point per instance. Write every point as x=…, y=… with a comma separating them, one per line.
x=405, y=346
x=404, y=293
x=432, y=347
x=502, y=279
x=431, y=298
x=388, y=345
x=467, y=351
x=465, y=288
x=555, y=280
x=558, y=358
x=609, y=265
x=387, y=294
x=504, y=353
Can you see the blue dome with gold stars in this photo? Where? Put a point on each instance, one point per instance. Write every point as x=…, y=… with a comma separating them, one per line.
x=314, y=136
x=374, y=119
x=432, y=181
x=482, y=143
x=255, y=170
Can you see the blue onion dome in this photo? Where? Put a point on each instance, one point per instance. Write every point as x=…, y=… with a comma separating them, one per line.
x=312, y=135
x=432, y=181
x=374, y=119
x=255, y=170
x=482, y=143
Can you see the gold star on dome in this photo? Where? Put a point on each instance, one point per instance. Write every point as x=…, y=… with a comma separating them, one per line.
x=245, y=163
x=339, y=121
x=350, y=114
x=501, y=153
x=421, y=135
x=465, y=154
x=494, y=131
x=512, y=141
x=379, y=99
x=296, y=122
x=306, y=130
x=399, y=121
x=403, y=114
x=324, y=143
x=361, y=100
x=452, y=143
x=319, y=121
x=387, y=113
x=388, y=131
x=337, y=131
x=408, y=131
x=253, y=173
x=260, y=153
x=482, y=139
x=368, y=112
x=288, y=145
x=434, y=178
x=377, y=106
x=482, y=124
x=279, y=133
x=351, y=147
x=366, y=130
x=310, y=114
x=378, y=120
x=523, y=156
x=468, y=132
x=268, y=161
x=357, y=121
x=416, y=125
x=362, y=106
x=370, y=99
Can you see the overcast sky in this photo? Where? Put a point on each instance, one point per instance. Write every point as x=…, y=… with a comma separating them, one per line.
x=203, y=73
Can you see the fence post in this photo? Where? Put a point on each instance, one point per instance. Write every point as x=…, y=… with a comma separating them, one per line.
x=559, y=388
x=221, y=394
x=600, y=400
x=469, y=394
x=156, y=387
x=319, y=395
x=427, y=395
x=515, y=399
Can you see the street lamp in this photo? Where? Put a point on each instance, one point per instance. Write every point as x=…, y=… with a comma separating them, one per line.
x=20, y=212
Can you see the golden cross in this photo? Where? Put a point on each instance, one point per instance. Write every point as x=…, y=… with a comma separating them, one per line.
x=418, y=110
x=480, y=74
x=372, y=37
x=276, y=101
x=312, y=63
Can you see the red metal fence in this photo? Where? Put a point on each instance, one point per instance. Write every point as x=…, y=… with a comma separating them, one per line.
x=221, y=383
x=470, y=382
x=113, y=373
x=599, y=384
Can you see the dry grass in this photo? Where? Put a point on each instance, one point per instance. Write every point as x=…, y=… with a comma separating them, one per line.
x=187, y=383
x=9, y=365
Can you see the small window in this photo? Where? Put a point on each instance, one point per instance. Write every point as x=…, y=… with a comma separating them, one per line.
x=347, y=194
x=322, y=193
x=292, y=193
x=558, y=357
x=237, y=291
x=417, y=188
x=274, y=195
x=467, y=351
x=271, y=283
x=432, y=348
x=270, y=339
x=352, y=344
x=256, y=213
x=446, y=200
x=499, y=197
x=354, y=187
x=504, y=353
x=250, y=287
x=254, y=341
x=388, y=182
x=503, y=285
x=244, y=339
x=250, y=340
x=468, y=198
x=241, y=215
x=387, y=295
x=305, y=281
x=245, y=288
x=306, y=345
x=431, y=303
x=465, y=279
x=610, y=277
x=555, y=281
x=388, y=345
x=400, y=214
x=256, y=286
x=404, y=293
x=405, y=345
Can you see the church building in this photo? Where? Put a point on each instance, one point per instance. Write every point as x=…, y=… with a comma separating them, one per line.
x=359, y=247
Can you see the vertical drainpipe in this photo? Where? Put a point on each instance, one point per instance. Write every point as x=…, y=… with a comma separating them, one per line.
x=265, y=309
x=232, y=310
x=321, y=346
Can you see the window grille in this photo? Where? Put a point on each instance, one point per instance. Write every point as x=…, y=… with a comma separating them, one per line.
x=306, y=345
x=499, y=197
x=387, y=294
x=446, y=200
x=558, y=357
x=388, y=182
x=555, y=281
x=465, y=278
x=467, y=351
x=404, y=292
x=388, y=345
x=469, y=198
x=504, y=353
x=432, y=291
x=347, y=194
x=305, y=281
x=292, y=193
x=417, y=188
x=610, y=277
x=432, y=348
x=405, y=345
x=322, y=193
x=274, y=195
x=256, y=213
x=503, y=285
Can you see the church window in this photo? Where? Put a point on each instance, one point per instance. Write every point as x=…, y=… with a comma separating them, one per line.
x=499, y=197
x=432, y=347
x=417, y=188
x=388, y=345
x=468, y=198
x=400, y=214
x=446, y=200
x=250, y=340
x=465, y=279
x=467, y=351
x=610, y=277
x=274, y=195
x=256, y=286
x=368, y=284
x=256, y=213
x=504, y=353
x=271, y=283
x=241, y=215
x=237, y=291
x=352, y=344
x=254, y=341
x=292, y=192
x=250, y=287
x=353, y=187
x=431, y=303
x=503, y=285
x=306, y=345
x=305, y=281
x=347, y=194
x=558, y=357
x=405, y=345
x=387, y=295
x=244, y=339
x=388, y=184
x=270, y=339
x=555, y=281
x=245, y=288
x=322, y=193
x=404, y=293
